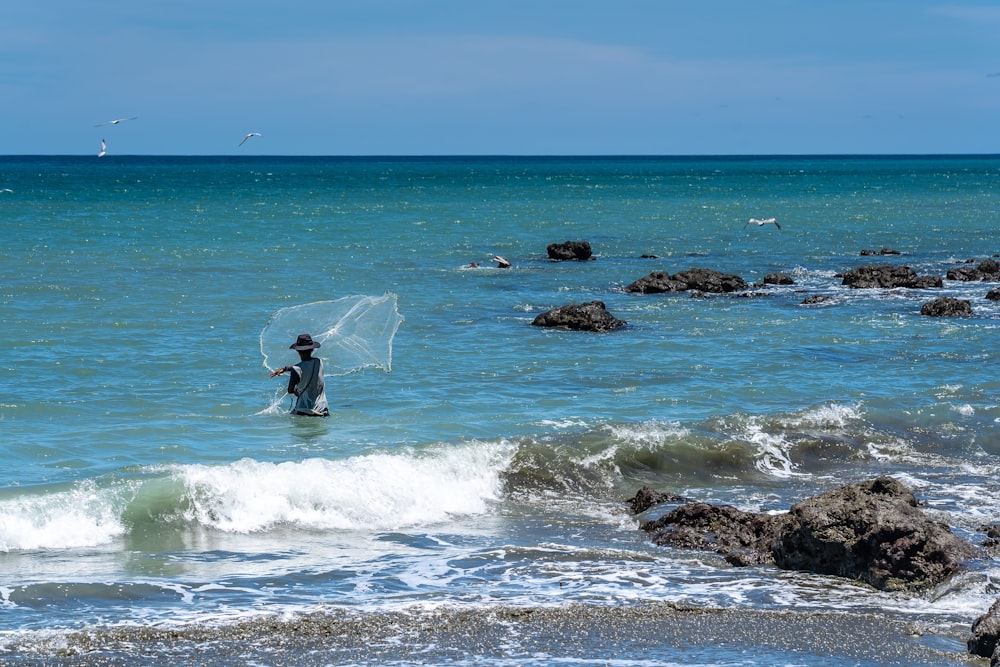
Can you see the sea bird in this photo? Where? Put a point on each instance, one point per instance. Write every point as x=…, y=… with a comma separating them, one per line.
x=115, y=121
x=104, y=149
x=251, y=134
x=502, y=262
x=761, y=223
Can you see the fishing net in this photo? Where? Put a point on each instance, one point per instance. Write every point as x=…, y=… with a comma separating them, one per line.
x=356, y=332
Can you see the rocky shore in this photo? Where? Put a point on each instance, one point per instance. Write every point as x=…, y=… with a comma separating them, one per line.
x=872, y=531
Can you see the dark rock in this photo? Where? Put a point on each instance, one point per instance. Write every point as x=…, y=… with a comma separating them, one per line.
x=986, y=270
x=986, y=634
x=871, y=531
x=704, y=280
x=592, y=316
x=742, y=538
x=883, y=251
x=648, y=256
x=778, y=279
x=657, y=282
x=947, y=306
x=993, y=294
x=647, y=497
x=888, y=276
x=709, y=280
x=812, y=300
x=570, y=250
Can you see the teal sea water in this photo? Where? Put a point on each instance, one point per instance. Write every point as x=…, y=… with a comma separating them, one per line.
x=150, y=478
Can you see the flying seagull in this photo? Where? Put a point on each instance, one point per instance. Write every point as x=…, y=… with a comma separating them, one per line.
x=761, y=223
x=116, y=121
x=252, y=134
x=104, y=149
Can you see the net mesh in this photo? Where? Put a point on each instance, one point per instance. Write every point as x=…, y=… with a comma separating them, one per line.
x=355, y=332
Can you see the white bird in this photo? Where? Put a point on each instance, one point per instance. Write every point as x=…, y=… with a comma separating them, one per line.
x=761, y=223
x=251, y=134
x=502, y=262
x=115, y=121
x=104, y=149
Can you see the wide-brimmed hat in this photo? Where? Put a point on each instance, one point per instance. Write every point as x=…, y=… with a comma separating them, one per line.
x=304, y=342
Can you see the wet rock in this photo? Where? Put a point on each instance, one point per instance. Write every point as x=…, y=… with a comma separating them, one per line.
x=988, y=270
x=985, y=638
x=888, y=276
x=742, y=538
x=947, y=306
x=702, y=280
x=657, y=282
x=591, y=316
x=647, y=497
x=993, y=294
x=778, y=279
x=813, y=300
x=871, y=531
x=570, y=250
x=883, y=251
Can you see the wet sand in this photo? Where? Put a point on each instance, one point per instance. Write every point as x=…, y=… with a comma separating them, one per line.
x=651, y=634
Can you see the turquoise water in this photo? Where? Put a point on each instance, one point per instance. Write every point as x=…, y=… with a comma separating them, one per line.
x=150, y=475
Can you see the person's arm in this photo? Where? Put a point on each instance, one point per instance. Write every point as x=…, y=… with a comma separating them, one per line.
x=293, y=377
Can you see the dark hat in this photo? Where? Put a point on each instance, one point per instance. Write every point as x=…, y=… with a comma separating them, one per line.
x=304, y=342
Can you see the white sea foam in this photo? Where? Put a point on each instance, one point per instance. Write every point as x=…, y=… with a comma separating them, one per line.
x=772, y=456
x=82, y=516
x=384, y=491
x=831, y=415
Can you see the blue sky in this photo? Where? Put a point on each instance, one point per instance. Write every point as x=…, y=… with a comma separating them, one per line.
x=512, y=77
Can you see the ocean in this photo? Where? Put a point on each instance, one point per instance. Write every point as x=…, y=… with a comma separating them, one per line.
x=464, y=502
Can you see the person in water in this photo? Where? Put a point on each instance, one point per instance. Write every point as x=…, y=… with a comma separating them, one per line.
x=305, y=379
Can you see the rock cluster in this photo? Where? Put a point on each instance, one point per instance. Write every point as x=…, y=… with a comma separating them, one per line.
x=702, y=280
x=987, y=270
x=872, y=531
x=888, y=276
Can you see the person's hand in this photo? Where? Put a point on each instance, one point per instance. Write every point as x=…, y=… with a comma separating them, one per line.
x=278, y=372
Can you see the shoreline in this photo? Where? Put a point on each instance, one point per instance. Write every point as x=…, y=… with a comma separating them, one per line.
x=582, y=633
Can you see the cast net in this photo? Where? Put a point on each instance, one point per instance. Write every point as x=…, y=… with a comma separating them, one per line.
x=355, y=332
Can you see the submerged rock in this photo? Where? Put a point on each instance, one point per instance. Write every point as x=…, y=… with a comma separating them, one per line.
x=570, y=250
x=888, y=276
x=883, y=251
x=947, y=306
x=591, y=316
x=702, y=280
x=986, y=270
x=778, y=279
x=871, y=531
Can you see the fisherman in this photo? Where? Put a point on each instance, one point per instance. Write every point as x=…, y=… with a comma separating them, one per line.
x=305, y=379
